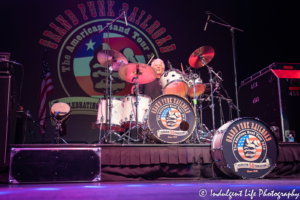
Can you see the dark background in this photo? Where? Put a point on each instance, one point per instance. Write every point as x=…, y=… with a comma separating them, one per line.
x=270, y=35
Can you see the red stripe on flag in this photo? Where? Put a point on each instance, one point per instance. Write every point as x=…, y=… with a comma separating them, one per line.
x=45, y=90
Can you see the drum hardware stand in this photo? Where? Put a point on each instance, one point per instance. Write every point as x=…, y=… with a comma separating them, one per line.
x=128, y=137
x=234, y=57
x=57, y=130
x=212, y=106
x=194, y=77
x=99, y=142
x=110, y=70
x=137, y=98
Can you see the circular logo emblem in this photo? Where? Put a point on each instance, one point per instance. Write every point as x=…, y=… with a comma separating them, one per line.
x=171, y=118
x=249, y=148
x=79, y=69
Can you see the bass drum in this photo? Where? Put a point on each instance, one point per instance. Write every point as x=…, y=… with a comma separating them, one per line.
x=171, y=119
x=245, y=148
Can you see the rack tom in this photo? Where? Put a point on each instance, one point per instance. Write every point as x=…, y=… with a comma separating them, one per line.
x=173, y=82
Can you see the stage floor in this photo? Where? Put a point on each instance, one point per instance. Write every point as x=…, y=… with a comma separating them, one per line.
x=208, y=189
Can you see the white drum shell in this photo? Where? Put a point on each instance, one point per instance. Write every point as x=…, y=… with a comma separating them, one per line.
x=173, y=82
x=199, y=87
x=116, y=111
x=129, y=108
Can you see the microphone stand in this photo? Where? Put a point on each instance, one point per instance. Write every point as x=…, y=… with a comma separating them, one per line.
x=234, y=58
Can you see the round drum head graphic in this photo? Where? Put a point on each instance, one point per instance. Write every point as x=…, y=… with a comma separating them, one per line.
x=171, y=119
x=249, y=148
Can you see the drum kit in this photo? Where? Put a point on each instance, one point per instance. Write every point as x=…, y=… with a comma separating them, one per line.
x=244, y=147
x=171, y=117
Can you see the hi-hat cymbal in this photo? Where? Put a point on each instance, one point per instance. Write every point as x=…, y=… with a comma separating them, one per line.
x=146, y=74
x=114, y=58
x=201, y=56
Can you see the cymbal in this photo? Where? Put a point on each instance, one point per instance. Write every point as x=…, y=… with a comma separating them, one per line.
x=201, y=56
x=145, y=75
x=115, y=58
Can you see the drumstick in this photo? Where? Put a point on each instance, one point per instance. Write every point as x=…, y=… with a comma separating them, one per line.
x=182, y=68
x=150, y=60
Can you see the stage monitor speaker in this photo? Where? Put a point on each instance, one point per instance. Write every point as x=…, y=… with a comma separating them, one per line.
x=5, y=86
x=55, y=164
x=273, y=96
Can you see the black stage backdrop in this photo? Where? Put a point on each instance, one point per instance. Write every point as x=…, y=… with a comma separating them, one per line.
x=171, y=30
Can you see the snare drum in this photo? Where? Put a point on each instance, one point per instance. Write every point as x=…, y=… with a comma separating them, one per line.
x=116, y=114
x=171, y=119
x=129, y=109
x=173, y=82
x=199, y=87
x=245, y=148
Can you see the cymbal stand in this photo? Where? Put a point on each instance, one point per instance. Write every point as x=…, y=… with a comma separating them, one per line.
x=212, y=106
x=110, y=132
x=137, y=98
x=106, y=82
x=194, y=77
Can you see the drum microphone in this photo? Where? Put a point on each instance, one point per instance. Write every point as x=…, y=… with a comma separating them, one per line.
x=207, y=12
x=56, y=113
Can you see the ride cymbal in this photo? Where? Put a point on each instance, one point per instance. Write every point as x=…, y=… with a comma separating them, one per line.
x=114, y=58
x=145, y=73
x=201, y=56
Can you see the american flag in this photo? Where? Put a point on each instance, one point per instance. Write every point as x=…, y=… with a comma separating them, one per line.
x=45, y=90
x=251, y=139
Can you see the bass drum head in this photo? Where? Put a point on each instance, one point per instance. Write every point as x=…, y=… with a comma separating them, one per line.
x=249, y=148
x=171, y=119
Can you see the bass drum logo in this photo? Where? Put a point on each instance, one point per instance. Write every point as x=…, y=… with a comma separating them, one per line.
x=171, y=119
x=249, y=148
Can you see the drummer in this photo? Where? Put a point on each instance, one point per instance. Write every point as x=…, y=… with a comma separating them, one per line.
x=153, y=89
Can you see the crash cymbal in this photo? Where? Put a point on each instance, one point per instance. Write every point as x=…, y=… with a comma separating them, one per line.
x=146, y=73
x=201, y=56
x=115, y=58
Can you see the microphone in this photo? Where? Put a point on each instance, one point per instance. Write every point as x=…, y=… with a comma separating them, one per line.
x=170, y=65
x=125, y=18
x=206, y=22
x=56, y=113
x=9, y=61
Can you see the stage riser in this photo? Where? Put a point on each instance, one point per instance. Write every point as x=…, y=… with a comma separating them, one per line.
x=130, y=162
x=40, y=165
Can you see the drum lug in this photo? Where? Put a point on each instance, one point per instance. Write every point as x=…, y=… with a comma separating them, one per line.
x=228, y=166
x=244, y=178
x=167, y=80
x=221, y=147
x=256, y=118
